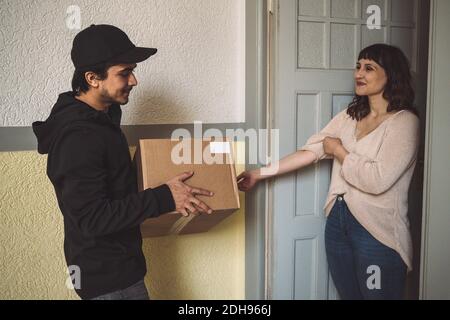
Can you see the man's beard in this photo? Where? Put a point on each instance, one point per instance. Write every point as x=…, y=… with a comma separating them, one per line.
x=107, y=98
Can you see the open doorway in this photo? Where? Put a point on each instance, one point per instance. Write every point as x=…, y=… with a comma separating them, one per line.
x=314, y=48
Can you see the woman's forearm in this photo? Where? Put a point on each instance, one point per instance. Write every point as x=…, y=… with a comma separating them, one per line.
x=293, y=162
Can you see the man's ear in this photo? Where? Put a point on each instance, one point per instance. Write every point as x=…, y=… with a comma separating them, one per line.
x=92, y=79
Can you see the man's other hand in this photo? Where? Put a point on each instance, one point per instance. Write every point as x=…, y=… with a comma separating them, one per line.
x=184, y=196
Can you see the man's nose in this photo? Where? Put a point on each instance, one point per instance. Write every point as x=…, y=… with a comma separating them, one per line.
x=132, y=81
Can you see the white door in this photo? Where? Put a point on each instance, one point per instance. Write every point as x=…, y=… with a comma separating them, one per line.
x=316, y=47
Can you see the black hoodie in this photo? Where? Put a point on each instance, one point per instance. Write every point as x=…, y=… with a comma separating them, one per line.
x=95, y=182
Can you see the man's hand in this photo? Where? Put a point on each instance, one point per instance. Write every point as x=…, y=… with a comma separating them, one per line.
x=184, y=195
x=330, y=144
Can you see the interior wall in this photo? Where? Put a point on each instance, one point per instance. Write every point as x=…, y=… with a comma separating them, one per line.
x=197, y=73
x=32, y=266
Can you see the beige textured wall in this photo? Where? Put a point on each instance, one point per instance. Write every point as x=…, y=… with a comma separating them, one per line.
x=32, y=265
x=197, y=74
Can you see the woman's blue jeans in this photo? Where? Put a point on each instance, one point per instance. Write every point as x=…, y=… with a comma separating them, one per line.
x=361, y=266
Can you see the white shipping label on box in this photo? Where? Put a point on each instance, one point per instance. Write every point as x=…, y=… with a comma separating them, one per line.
x=220, y=147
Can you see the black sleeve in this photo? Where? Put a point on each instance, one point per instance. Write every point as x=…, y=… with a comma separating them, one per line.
x=83, y=190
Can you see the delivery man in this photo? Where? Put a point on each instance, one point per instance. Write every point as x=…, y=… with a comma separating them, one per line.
x=90, y=167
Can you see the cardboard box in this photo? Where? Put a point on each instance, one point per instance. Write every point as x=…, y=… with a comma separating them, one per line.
x=159, y=160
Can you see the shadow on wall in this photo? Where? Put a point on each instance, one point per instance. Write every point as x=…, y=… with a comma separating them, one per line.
x=156, y=107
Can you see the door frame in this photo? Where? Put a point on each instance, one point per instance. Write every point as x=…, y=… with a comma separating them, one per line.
x=434, y=280
x=256, y=117
x=257, y=112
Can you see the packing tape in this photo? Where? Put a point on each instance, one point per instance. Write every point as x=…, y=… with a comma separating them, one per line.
x=181, y=223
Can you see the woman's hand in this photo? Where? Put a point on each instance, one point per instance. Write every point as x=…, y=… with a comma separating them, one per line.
x=334, y=147
x=330, y=145
x=248, y=179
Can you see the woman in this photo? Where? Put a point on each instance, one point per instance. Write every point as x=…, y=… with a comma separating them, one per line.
x=374, y=145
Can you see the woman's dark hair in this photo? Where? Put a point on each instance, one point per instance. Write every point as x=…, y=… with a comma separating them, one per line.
x=79, y=83
x=398, y=90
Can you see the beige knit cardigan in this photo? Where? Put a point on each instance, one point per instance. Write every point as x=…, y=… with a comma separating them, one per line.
x=375, y=176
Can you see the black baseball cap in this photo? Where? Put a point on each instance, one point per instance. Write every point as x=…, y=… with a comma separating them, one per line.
x=104, y=43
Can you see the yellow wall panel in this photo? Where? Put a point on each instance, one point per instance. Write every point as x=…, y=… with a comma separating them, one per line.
x=32, y=266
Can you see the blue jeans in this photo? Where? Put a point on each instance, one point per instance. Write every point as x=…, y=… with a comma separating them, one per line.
x=361, y=266
x=138, y=291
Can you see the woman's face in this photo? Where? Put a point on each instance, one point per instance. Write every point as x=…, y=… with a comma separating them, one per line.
x=370, y=78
